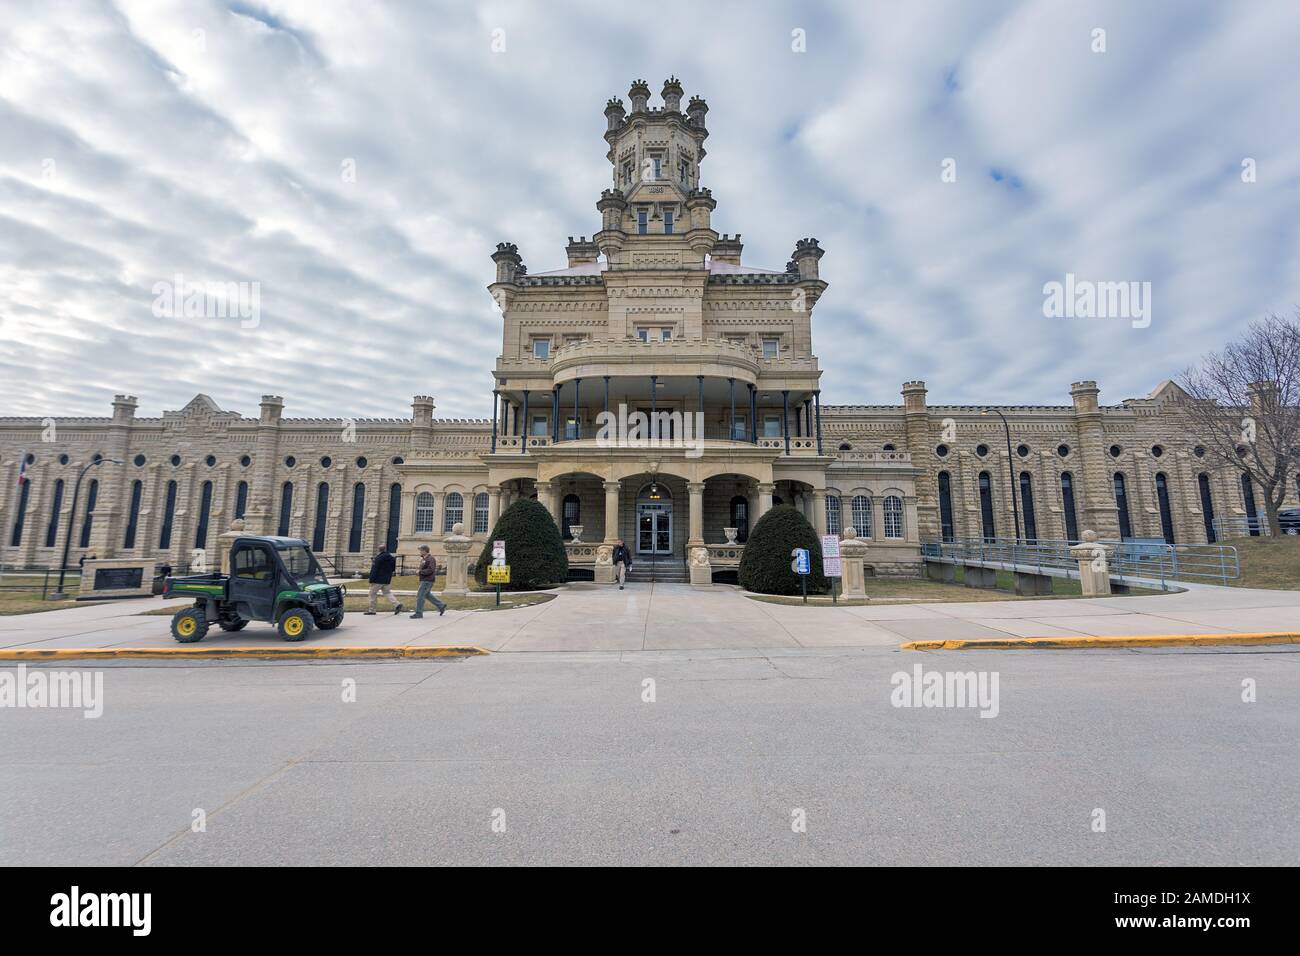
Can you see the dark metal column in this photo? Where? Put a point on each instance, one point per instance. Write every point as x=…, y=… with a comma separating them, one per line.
x=577, y=414
x=817, y=400
x=731, y=423
x=555, y=415
x=523, y=432
x=495, y=413
x=753, y=414
x=785, y=418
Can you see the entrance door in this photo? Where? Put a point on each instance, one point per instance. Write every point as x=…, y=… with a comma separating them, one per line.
x=654, y=529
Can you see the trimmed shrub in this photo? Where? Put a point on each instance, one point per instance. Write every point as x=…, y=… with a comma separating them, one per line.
x=765, y=563
x=534, y=549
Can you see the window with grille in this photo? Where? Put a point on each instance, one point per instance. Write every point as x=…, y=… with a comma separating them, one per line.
x=832, y=515
x=893, y=516
x=453, y=512
x=572, y=514
x=481, y=513
x=862, y=515
x=423, y=513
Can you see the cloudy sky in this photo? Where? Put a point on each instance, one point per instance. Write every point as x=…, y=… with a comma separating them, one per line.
x=360, y=162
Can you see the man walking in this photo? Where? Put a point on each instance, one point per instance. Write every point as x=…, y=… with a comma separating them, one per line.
x=381, y=579
x=622, y=561
x=428, y=571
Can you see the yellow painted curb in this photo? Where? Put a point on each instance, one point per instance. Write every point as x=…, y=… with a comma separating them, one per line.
x=1130, y=640
x=69, y=653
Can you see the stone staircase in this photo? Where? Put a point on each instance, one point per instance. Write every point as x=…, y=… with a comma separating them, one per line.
x=665, y=569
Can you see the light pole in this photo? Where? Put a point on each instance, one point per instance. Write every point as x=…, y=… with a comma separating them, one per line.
x=1011, y=469
x=59, y=594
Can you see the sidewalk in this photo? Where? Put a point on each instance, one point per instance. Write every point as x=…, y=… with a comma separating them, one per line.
x=586, y=617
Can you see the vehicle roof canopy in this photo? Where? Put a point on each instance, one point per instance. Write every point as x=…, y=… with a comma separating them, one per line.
x=273, y=540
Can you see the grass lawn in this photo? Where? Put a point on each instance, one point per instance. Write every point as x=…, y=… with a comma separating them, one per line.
x=28, y=602
x=1268, y=562
x=923, y=591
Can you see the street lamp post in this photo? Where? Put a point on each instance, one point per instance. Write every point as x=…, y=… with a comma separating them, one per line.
x=1011, y=469
x=59, y=594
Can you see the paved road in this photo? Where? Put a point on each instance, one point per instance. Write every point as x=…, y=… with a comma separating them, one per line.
x=678, y=617
x=585, y=771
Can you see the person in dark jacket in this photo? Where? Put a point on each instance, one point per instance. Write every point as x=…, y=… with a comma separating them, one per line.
x=381, y=579
x=428, y=571
x=622, y=561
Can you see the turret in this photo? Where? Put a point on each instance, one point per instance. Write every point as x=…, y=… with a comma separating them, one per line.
x=614, y=113
x=672, y=94
x=695, y=111
x=1085, y=395
x=422, y=421
x=727, y=249
x=806, y=254
x=124, y=409
x=639, y=94
x=582, y=252
x=914, y=398
x=272, y=407
x=509, y=264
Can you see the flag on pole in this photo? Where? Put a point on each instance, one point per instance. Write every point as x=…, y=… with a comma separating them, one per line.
x=22, y=470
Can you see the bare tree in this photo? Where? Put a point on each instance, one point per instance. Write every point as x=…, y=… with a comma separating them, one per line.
x=1243, y=405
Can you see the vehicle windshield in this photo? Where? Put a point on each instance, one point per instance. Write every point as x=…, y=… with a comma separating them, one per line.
x=301, y=564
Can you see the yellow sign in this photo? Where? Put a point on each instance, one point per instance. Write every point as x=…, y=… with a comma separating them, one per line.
x=498, y=574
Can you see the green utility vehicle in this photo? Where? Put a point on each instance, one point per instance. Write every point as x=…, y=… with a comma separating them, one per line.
x=271, y=579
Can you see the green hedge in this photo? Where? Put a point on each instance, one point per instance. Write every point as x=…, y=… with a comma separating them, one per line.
x=765, y=563
x=534, y=549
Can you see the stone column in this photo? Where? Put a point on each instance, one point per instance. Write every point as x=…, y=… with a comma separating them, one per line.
x=439, y=502
x=853, y=578
x=765, y=489
x=1094, y=496
x=612, y=489
x=494, y=506
x=546, y=496
x=819, y=511
x=225, y=541
x=457, y=546
x=1094, y=565
x=263, y=500
x=696, y=490
x=106, y=531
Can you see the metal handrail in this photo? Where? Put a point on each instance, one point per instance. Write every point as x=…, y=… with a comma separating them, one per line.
x=1147, y=558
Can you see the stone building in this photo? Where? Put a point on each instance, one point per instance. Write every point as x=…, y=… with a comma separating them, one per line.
x=706, y=366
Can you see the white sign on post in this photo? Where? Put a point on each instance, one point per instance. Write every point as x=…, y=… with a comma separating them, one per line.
x=831, y=555
x=498, y=553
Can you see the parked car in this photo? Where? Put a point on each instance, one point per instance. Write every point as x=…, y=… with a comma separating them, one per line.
x=1288, y=520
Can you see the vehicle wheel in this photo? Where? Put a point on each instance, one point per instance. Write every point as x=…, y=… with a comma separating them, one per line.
x=331, y=624
x=190, y=625
x=231, y=626
x=295, y=624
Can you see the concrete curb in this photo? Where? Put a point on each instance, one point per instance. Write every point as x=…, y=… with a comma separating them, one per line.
x=1131, y=640
x=210, y=653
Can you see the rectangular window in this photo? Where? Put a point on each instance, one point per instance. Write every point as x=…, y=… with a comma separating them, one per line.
x=542, y=349
x=540, y=429
x=656, y=163
x=668, y=222
x=771, y=426
x=684, y=171
x=643, y=335
x=665, y=335
x=738, y=431
x=570, y=428
x=771, y=348
x=642, y=222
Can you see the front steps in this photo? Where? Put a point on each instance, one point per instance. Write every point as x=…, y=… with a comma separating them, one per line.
x=661, y=570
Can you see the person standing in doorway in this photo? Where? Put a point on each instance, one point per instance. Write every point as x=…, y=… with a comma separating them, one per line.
x=428, y=571
x=381, y=579
x=622, y=561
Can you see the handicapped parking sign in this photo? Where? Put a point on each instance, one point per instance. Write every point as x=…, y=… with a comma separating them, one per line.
x=801, y=563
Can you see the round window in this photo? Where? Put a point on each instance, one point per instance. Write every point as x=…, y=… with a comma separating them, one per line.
x=245, y=461
x=290, y=461
x=326, y=461
x=361, y=463
x=1063, y=450
x=1022, y=451
x=176, y=460
x=942, y=451
x=1157, y=451
x=1115, y=451
x=139, y=461
x=210, y=460
x=1199, y=451
x=63, y=459
x=981, y=450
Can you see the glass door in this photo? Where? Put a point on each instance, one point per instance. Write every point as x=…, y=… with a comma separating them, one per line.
x=654, y=529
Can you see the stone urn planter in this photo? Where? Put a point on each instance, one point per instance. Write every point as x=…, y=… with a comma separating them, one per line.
x=576, y=531
x=731, y=535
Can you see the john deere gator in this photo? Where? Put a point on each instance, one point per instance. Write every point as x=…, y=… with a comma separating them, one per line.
x=271, y=579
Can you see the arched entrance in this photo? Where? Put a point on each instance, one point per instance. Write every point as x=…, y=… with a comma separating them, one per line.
x=654, y=519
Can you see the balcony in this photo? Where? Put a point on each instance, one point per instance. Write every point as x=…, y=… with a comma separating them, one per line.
x=623, y=358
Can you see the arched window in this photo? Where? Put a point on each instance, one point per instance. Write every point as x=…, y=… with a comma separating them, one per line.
x=1166, y=513
x=893, y=517
x=481, y=513
x=286, y=509
x=777, y=500
x=52, y=529
x=241, y=499
x=169, y=514
x=986, y=507
x=358, y=516
x=453, y=512
x=738, y=515
x=1207, y=507
x=205, y=510
x=424, y=512
x=1121, y=507
x=1248, y=498
x=945, y=506
x=394, y=515
x=833, y=510
x=1067, y=503
x=571, y=514
x=24, y=493
x=861, y=506
x=322, y=516
x=1027, y=506
x=133, y=515
x=91, y=495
